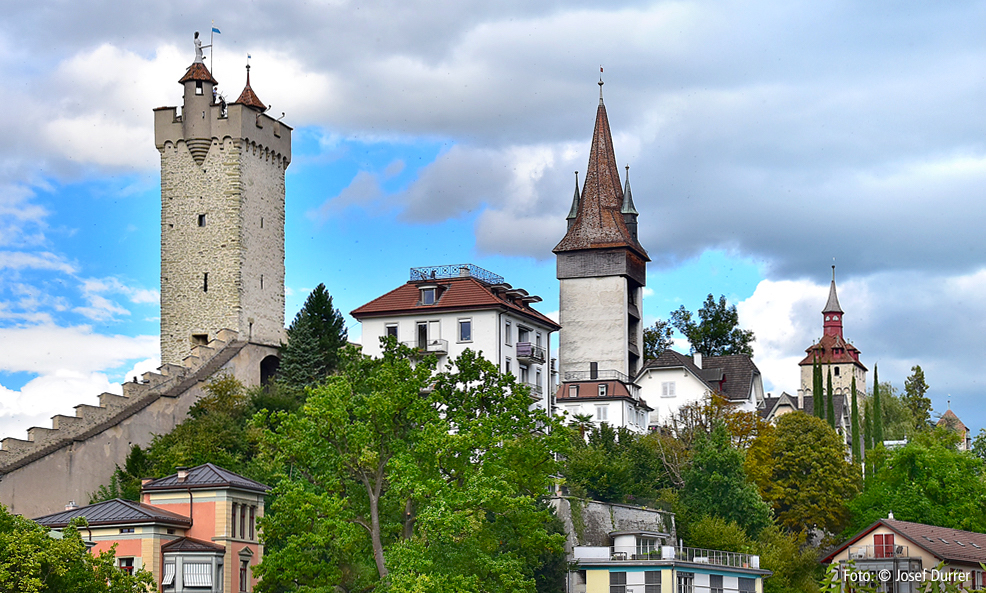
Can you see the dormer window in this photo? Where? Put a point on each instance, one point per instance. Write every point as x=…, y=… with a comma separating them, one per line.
x=428, y=295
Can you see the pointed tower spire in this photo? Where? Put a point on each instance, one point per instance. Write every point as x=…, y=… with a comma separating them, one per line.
x=248, y=97
x=599, y=222
x=832, y=313
x=574, y=212
x=628, y=211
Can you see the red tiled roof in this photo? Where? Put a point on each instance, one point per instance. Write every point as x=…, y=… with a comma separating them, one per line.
x=825, y=352
x=599, y=223
x=951, y=421
x=454, y=294
x=958, y=545
x=248, y=97
x=197, y=71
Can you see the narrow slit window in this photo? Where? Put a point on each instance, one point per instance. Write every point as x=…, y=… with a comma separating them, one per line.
x=261, y=282
x=205, y=282
x=201, y=219
x=261, y=222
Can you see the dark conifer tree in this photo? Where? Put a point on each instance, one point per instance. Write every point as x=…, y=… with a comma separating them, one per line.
x=855, y=423
x=816, y=389
x=877, y=411
x=830, y=401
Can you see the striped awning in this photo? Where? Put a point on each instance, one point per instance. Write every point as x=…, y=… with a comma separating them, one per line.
x=169, y=575
x=197, y=575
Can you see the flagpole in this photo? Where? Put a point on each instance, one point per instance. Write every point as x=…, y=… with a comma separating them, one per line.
x=212, y=45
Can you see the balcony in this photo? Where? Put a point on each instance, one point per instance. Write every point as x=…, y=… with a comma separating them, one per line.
x=436, y=347
x=528, y=353
x=878, y=552
x=455, y=271
x=536, y=390
x=683, y=554
x=605, y=375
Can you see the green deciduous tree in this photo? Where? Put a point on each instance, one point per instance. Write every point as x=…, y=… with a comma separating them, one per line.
x=808, y=480
x=914, y=398
x=401, y=478
x=32, y=561
x=716, y=484
x=926, y=481
x=979, y=444
x=717, y=332
x=615, y=466
x=657, y=339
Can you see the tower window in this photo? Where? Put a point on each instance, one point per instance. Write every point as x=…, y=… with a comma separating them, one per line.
x=198, y=87
x=205, y=282
x=836, y=373
x=200, y=339
x=201, y=219
x=261, y=222
x=261, y=282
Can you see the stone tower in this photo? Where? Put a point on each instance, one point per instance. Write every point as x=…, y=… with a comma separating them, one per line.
x=222, y=217
x=602, y=269
x=834, y=353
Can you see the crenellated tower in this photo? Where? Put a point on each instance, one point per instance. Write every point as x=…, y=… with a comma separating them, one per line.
x=602, y=270
x=222, y=217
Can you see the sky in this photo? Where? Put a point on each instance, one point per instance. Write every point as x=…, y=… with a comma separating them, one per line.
x=766, y=141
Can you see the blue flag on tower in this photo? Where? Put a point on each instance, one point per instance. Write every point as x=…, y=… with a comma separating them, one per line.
x=215, y=30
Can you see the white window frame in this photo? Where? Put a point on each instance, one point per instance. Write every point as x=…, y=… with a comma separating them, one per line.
x=426, y=290
x=468, y=321
x=668, y=389
x=388, y=327
x=602, y=389
x=507, y=331
x=602, y=412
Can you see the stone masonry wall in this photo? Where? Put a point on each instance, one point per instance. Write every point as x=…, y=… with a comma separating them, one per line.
x=589, y=522
x=594, y=324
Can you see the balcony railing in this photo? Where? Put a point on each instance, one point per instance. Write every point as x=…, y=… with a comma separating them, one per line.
x=455, y=271
x=881, y=551
x=437, y=347
x=604, y=375
x=536, y=390
x=528, y=353
x=684, y=554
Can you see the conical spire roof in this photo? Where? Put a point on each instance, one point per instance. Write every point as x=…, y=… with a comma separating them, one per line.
x=197, y=71
x=248, y=97
x=628, y=197
x=832, y=305
x=574, y=212
x=599, y=223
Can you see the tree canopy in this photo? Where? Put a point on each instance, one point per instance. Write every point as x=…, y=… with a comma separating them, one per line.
x=925, y=481
x=716, y=484
x=400, y=477
x=802, y=471
x=717, y=331
x=33, y=561
x=914, y=398
x=315, y=338
x=657, y=339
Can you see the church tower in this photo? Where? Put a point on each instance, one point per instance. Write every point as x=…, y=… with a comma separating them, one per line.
x=602, y=270
x=222, y=217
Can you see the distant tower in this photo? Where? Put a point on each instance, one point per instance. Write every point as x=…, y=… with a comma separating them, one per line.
x=834, y=354
x=222, y=217
x=602, y=269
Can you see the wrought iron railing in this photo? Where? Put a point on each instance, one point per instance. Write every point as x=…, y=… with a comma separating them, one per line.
x=530, y=352
x=455, y=271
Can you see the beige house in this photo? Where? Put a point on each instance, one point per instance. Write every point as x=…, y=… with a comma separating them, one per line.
x=911, y=552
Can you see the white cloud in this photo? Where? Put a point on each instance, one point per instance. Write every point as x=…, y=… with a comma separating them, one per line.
x=47, y=349
x=19, y=260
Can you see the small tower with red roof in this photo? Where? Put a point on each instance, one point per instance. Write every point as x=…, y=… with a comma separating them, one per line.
x=222, y=217
x=835, y=355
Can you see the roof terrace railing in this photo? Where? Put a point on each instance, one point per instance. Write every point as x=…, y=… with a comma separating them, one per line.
x=603, y=375
x=878, y=551
x=455, y=271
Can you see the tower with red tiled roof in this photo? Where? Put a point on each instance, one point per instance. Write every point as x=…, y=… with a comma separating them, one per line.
x=222, y=217
x=834, y=354
x=602, y=270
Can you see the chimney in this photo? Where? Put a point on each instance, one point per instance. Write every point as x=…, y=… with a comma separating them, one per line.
x=697, y=358
x=182, y=474
x=464, y=271
x=71, y=506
